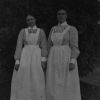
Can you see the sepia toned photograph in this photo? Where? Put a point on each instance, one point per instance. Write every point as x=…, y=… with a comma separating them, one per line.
x=49, y=49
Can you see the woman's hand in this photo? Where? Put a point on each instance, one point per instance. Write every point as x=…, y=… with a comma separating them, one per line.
x=71, y=66
x=43, y=64
x=16, y=67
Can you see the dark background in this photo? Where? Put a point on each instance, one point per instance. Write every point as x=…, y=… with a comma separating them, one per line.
x=83, y=14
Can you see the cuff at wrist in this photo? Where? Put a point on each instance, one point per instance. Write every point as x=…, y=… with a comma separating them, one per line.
x=17, y=62
x=43, y=59
x=73, y=61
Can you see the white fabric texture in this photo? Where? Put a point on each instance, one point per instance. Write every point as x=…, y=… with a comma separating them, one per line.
x=28, y=83
x=61, y=84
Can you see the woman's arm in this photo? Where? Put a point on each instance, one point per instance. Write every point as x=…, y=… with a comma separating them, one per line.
x=19, y=46
x=50, y=44
x=43, y=45
x=73, y=42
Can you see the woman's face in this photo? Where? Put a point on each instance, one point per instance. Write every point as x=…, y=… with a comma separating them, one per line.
x=31, y=21
x=61, y=16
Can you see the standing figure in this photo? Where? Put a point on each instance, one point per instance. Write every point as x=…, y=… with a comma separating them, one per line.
x=62, y=79
x=28, y=81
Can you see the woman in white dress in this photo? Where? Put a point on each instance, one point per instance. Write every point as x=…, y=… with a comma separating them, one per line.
x=28, y=81
x=62, y=80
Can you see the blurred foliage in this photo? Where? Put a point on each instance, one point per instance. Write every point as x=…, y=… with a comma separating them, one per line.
x=87, y=38
x=7, y=47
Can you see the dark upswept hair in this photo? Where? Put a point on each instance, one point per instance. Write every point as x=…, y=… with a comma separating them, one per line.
x=62, y=8
x=32, y=12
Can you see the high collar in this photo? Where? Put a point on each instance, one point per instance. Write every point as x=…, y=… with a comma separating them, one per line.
x=34, y=27
x=63, y=24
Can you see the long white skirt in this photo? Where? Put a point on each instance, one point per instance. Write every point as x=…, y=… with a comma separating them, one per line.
x=28, y=82
x=61, y=84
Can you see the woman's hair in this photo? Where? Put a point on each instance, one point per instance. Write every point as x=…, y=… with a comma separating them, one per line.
x=32, y=13
x=64, y=9
x=29, y=15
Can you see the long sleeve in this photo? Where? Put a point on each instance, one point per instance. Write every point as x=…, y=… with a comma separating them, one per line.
x=73, y=41
x=50, y=44
x=43, y=43
x=19, y=45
